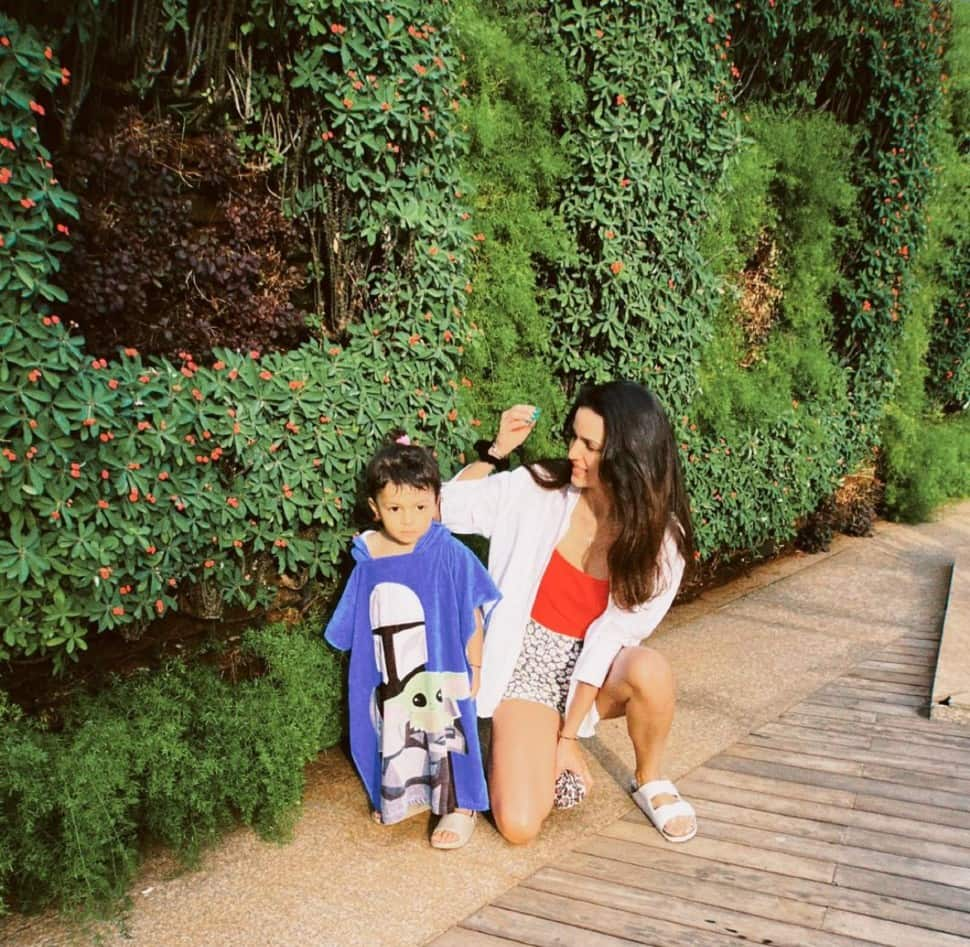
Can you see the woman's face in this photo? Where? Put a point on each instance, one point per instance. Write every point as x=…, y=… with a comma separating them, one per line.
x=586, y=448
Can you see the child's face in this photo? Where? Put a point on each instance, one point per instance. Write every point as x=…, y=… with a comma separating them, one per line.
x=404, y=512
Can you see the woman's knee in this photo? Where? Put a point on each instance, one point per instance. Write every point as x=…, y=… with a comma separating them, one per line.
x=516, y=825
x=649, y=674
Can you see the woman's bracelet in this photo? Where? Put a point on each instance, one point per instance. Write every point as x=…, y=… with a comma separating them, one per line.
x=562, y=736
x=487, y=454
x=474, y=665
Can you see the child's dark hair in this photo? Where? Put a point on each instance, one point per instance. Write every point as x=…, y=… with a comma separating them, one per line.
x=403, y=464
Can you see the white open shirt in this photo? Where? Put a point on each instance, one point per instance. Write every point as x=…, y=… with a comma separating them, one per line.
x=524, y=523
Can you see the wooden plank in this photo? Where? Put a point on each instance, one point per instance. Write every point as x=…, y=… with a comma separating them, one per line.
x=695, y=788
x=925, y=814
x=463, y=937
x=809, y=708
x=883, y=687
x=743, y=813
x=928, y=649
x=872, y=787
x=585, y=917
x=883, y=663
x=913, y=777
x=920, y=722
x=701, y=917
x=894, y=759
x=744, y=782
x=789, y=731
x=716, y=893
x=804, y=760
x=912, y=750
x=861, y=693
x=888, y=932
x=885, y=885
x=676, y=863
x=538, y=931
x=914, y=846
x=906, y=732
x=883, y=708
x=704, y=845
x=920, y=868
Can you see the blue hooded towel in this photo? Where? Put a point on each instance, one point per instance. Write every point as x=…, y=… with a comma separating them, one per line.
x=406, y=621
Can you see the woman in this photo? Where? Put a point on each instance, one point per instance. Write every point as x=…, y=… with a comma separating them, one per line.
x=594, y=546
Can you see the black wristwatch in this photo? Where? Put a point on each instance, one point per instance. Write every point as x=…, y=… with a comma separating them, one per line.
x=486, y=454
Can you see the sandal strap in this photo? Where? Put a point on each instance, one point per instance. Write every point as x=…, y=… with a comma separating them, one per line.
x=663, y=814
x=657, y=787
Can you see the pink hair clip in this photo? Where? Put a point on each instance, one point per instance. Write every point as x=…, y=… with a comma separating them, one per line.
x=403, y=439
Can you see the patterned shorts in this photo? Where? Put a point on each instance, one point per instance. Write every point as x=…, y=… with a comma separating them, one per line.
x=544, y=667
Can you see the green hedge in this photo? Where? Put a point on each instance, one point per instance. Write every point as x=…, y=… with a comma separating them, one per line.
x=588, y=145
x=126, y=487
x=173, y=756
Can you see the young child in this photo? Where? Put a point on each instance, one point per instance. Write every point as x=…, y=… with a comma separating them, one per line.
x=410, y=616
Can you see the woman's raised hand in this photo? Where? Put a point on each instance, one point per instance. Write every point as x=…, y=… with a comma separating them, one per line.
x=514, y=427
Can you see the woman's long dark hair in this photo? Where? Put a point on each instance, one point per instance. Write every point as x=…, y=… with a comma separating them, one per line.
x=640, y=469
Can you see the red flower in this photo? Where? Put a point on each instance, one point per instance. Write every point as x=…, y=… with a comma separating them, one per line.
x=150, y=550
x=348, y=103
x=297, y=385
x=117, y=610
x=265, y=375
x=233, y=502
x=448, y=335
x=37, y=107
x=624, y=182
x=453, y=414
x=112, y=383
x=7, y=143
x=4, y=175
x=621, y=99
x=48, y=53
x=385, y=106
x=27, y=203
x=133, y=495
x=159, y=606
x=209, y=563
x=65, y=76
x=34, y=374
x=616, y=268
x=4, y=41
x=419, y=69
x=280, y=543
x=866, y=306
x=103, y=504
x=338, y=29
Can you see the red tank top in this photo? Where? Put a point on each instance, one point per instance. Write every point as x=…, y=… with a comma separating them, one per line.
x=569, y=599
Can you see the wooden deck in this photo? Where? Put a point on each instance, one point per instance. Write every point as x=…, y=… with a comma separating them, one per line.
x=845, y=821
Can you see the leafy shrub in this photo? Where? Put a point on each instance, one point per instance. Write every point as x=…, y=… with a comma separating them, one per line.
x=516, y=91
x=174, y=756
x=180, y=246
x=127, y=487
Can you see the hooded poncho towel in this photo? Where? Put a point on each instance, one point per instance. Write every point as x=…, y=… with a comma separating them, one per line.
x=406, y=621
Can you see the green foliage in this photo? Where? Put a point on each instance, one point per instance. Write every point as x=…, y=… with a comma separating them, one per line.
x=132, y=486
x=516, y=91
x=647, y=144
x=173, y=756
x=926, y=456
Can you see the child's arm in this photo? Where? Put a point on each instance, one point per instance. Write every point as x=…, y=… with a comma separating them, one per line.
x=473, y=651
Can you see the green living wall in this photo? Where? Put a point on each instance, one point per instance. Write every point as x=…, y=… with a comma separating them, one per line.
x=421, y=212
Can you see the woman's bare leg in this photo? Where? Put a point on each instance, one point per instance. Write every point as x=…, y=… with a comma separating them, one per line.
x=522, y=767
x=640, y=686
